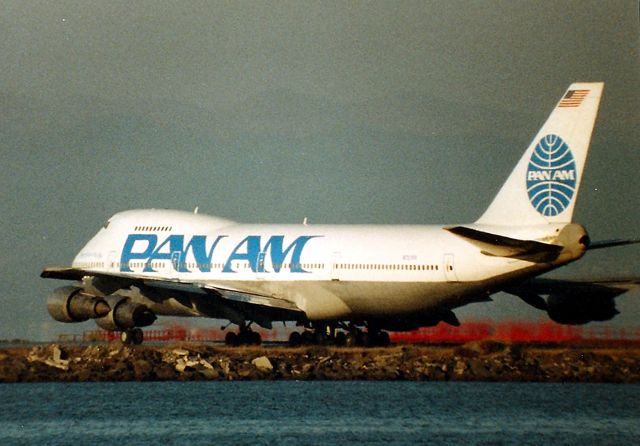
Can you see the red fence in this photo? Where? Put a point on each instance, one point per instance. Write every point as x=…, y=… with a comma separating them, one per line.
x=511, y=331
x=518, y=331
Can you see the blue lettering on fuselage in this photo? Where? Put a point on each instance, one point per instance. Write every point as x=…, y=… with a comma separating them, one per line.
x=145, y=247
x=197, y=245
x=250, y=248
x=128, y=253
x=278, y=255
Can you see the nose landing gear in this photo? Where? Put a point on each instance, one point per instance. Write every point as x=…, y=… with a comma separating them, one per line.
x=132, y=336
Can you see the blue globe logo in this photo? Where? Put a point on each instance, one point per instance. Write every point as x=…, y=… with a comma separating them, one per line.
x=551, y=176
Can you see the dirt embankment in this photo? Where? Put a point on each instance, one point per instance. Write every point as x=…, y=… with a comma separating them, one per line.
x=482, y=361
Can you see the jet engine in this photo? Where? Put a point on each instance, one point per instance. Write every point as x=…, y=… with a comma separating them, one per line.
x=578, y=310
x=570, y=302
x=70, y=304
x=125, y=315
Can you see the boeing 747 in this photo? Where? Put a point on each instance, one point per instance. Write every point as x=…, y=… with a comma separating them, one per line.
x=337, y=281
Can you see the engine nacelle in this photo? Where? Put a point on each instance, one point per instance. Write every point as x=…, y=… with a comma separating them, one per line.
x=125, y=314
x=70, y=304
x=578, y=310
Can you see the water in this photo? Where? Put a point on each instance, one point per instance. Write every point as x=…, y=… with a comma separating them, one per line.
x=311, y=413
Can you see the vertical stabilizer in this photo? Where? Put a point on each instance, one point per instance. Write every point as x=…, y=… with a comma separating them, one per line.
x=544, y=184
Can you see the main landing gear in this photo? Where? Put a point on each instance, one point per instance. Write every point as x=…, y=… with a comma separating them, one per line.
x=352, y=336
x=132, y=336
x=245, y=336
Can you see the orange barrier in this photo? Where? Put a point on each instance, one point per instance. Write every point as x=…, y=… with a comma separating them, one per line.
x=509, y=331
x=518, y=331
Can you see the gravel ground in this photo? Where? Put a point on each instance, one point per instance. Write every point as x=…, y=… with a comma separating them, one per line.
x=479, y=361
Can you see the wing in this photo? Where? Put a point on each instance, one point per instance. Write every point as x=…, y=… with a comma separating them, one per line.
x=208, y=299
x=611, y=243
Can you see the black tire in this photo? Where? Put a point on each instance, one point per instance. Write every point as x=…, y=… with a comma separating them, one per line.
x=133, y=336
x=295, y=339
x=309, y=338
x=383, y=339
x=137, y=336
x=231, y=339
x=255, y=338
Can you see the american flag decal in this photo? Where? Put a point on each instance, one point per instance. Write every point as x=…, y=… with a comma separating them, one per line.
x=573, y=98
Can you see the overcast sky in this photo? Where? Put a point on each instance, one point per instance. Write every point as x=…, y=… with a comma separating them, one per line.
x=342, y=112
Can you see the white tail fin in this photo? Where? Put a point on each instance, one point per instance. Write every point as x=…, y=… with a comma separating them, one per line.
x=544, y=184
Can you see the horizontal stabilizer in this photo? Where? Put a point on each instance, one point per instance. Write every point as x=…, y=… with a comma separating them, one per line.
x=611, y=243
x=501, y=246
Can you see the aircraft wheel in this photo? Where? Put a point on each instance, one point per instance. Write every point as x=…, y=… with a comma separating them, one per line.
x=231, y=339
x=138, y=336
x=382, y=339
x=308, y=337
x=295, y=339
x=340, y=339
x=351, y=340
x=133, y=336
x=254, y=338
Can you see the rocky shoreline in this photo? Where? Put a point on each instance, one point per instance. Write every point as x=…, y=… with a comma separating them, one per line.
x=480, y=361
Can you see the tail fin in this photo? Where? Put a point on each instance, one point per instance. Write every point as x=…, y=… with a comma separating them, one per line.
x=544, y=185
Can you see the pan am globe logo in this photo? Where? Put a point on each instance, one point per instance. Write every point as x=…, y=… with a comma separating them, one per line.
x=551, y=176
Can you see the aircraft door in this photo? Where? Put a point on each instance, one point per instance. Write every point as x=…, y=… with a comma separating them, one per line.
x=174, y=267
x=448, y=264
x=335, y=266
x=260, y=266
x=112, y=260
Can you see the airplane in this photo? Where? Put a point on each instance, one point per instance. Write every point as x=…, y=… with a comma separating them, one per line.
x=351, y=284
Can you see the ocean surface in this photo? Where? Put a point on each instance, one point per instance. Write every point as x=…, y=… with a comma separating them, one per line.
x=312, y=413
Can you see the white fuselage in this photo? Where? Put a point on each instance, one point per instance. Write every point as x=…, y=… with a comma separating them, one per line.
x=329, y=272
x=148, y=262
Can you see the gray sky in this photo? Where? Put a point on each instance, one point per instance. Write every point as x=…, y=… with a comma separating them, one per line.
x=342, y=112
